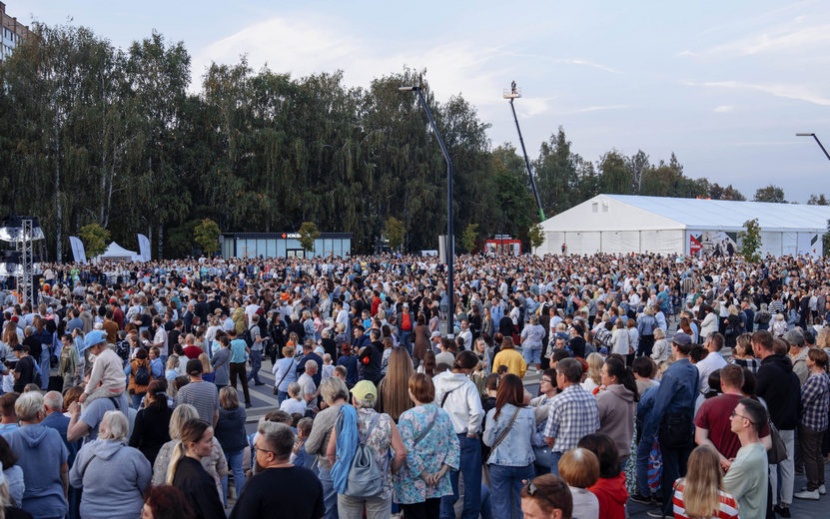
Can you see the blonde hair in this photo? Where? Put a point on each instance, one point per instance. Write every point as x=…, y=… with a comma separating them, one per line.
x=702, y=483
x=191, y=432
x=394, y=397
x=206, y=366
x=181, y=414
x=595, y=362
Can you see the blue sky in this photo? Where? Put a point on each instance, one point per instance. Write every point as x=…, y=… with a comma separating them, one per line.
x=725, y=85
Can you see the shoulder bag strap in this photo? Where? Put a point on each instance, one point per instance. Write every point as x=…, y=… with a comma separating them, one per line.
x=285, y=374
x=444, y=399
x=426, y=431
x=503, y=434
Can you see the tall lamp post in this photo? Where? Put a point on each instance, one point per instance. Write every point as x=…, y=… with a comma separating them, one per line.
x=813, y=135
x=450, y=240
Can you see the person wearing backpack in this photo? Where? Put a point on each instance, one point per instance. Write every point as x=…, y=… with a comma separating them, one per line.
x=367, y=453
x=140, y=377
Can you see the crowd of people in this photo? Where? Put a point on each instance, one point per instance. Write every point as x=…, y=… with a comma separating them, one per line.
x=695, y=385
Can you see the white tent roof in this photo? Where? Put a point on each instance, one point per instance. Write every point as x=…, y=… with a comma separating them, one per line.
x=630, y=213
x=115, y=251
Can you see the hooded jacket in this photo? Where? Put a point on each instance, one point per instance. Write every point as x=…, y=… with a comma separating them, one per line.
x=781, y=390
x=612, y=495
x=41, y=453
x=462, y=403
x=113, y=477
x=617, y=410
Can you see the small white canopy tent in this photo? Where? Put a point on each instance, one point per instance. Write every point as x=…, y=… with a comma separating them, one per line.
x=626, y=224
x=116, y=252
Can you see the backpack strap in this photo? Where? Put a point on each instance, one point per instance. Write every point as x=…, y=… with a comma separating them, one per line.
x=426, y=431
x=444, y=398
x=503, y=434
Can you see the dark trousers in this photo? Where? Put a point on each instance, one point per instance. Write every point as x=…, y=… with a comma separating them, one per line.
x=427, y=510
x=237, y=369
x=646, y=346
x=674, y=466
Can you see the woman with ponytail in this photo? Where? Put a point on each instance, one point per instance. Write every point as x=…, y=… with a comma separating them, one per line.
x=187, y=474
x=617, y=404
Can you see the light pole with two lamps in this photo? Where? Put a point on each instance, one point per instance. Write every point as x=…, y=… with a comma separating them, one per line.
x=813, y=135
x=450, y=248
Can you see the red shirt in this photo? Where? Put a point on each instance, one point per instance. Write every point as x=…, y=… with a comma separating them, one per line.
x=714, y=416
x=192, y=352
x=612, y=495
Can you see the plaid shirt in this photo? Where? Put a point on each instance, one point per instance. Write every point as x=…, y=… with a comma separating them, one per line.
x=815, y=401
x=572, y=415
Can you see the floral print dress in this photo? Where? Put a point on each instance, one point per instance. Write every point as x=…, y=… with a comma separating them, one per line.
x=438, y=446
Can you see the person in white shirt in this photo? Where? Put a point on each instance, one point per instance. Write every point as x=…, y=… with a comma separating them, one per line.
x=713, y=361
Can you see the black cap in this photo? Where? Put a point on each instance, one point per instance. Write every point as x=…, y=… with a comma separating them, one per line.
x=194, y=367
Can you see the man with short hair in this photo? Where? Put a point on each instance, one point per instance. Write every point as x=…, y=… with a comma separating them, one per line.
x=256, y=350
x=780, y=389
x=747, y=478
x=712, y=425
x=713, y=361
x=671, y=418
x=280, y=489
x=798, y=354
x=308, y=387
x=54, y=418
x=200, y=394
x=572, y=414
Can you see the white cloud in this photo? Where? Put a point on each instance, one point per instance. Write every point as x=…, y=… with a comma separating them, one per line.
x=312, y=45
x=722, y=109
x=797, y=92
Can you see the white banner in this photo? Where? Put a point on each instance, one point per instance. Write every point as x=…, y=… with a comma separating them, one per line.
x=144, y=247
x=77, y=249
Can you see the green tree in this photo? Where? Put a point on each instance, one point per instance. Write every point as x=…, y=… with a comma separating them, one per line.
x=395, y=232
x=751, y=241
x=469, y=237
x=771, y=193
x=308, y=233
x=95, y=239
x=537, y=236
x=819, y=199
x=615, y=175
x=556, y=173
x=206, y=235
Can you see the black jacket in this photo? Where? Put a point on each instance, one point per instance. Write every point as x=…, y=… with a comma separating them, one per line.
x=780, y=388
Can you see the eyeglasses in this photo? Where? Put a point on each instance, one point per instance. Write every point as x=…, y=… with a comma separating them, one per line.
x=549, y=381
x=258, y=449
x=734, y=414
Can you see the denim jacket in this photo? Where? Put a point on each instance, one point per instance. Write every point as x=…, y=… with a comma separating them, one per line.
x=677, y=393
x=515, y=450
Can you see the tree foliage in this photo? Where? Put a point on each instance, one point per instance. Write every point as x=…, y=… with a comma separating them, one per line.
x=308, y=233
x=469, y=237
x=751, y=241
x=206, y=235
x=770, y=193
x=536, y=235
x=95, y=239
x=395, y=231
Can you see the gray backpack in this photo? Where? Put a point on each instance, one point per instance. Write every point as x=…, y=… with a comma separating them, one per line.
x=366, y=477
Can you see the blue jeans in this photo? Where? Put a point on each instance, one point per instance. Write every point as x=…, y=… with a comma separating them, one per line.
x=44, y=367
x=554, y=464
x=329, y=494
x=234, y=460
x=641, y=470
x=471, y=469
x=532, y=355
x=136, y=400
x=256, y=364
x=403, y=340
x=506, y=488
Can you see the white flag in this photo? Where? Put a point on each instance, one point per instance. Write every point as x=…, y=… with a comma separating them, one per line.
x=78, y=251
x=144, y=247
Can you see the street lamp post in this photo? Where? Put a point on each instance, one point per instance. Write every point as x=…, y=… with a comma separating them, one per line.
x=450, y=240
x=813, y=135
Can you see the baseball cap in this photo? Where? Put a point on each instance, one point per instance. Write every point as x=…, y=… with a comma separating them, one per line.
x=365, y=390
x=93, y=338
x=681, y=339
x=194, y=367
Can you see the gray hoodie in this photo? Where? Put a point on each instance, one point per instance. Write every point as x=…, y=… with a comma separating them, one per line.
x=113, y=477
x=41, y=453
x=617, y=410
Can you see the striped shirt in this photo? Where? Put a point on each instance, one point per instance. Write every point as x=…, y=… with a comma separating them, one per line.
x=727, y=505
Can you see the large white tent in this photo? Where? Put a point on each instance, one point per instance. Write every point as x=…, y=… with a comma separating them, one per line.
x=116, y=252
x=625, y=224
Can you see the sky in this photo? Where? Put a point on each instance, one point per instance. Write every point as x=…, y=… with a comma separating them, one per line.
x=723, y=85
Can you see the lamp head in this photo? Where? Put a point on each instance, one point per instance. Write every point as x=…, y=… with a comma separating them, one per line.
x=805, y=134
x=409, y=88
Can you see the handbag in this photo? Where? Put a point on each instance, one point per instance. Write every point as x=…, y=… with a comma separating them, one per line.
x=778, y=452
x=544, y=456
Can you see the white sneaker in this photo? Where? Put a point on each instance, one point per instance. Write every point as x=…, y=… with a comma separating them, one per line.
x=821, y=489
x=808, y=494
